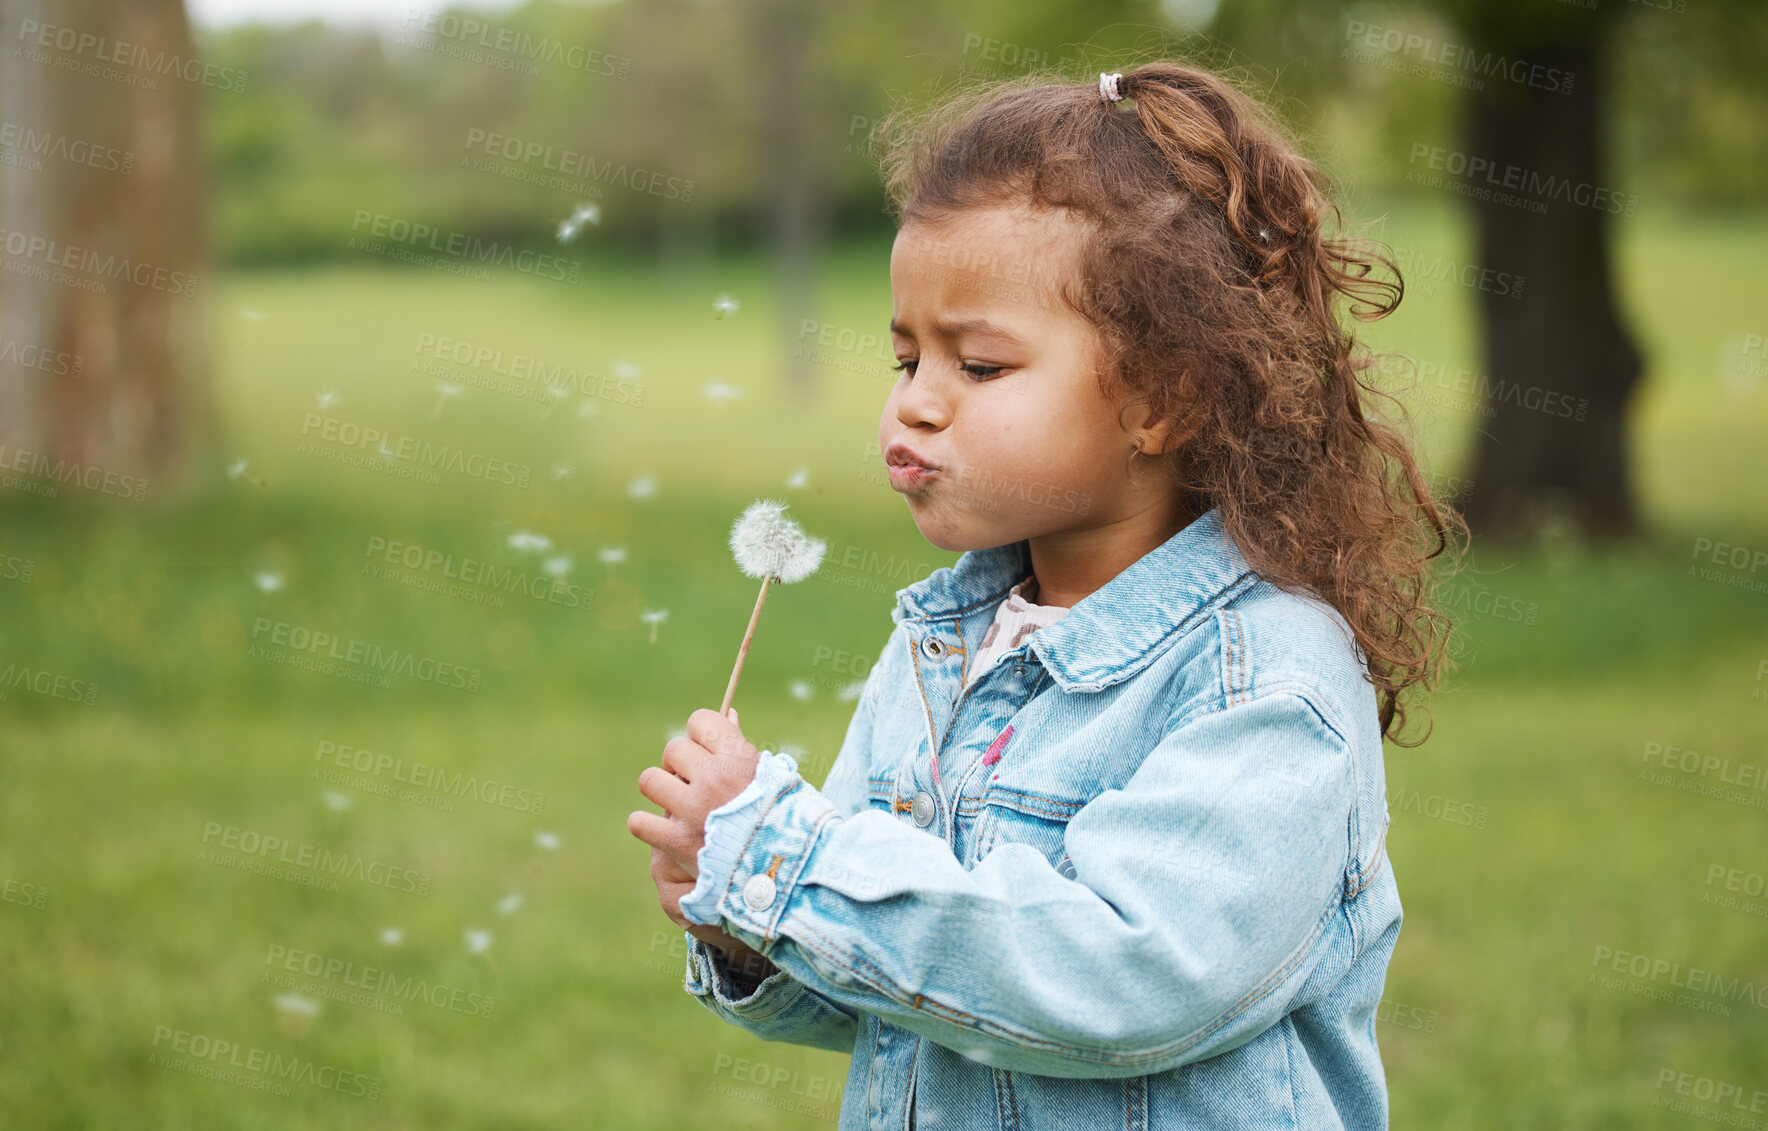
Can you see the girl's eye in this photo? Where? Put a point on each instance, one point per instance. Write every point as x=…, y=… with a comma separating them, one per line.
x=980, y=372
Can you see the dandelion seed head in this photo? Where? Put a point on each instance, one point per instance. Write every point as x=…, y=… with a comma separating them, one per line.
x=392, y=936
x=563, y=471
x=546, y=840
x=768, y=544
x=626, y=371
x=326, y=398
x=798, y=478
x=337, y=801
x=719, y=392
x=298, y=1005
x=611, y=555
x=585, y=409
x=724, y=306
x=527, y=541
x=558, y=565
x=478, y=942
x=654, y=616
x=509, y=903
x=448, y=389
x=267, y=581
x=236, y=469
x=643, y=487
x=800, y=689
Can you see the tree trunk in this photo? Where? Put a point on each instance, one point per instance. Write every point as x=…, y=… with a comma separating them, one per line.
x=1560, y=362
x=102, y=359
x=794, y=201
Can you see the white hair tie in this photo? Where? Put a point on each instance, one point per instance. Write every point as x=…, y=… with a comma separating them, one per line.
x=1108, y=87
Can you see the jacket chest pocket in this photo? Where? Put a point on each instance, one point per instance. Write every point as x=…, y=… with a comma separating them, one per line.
x=1021, y=814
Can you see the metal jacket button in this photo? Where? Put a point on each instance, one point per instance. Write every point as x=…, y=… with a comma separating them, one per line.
x=921, y=808
x=758, y=891
x=933, y=650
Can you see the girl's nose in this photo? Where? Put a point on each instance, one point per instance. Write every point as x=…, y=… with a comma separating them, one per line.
x=919, y=403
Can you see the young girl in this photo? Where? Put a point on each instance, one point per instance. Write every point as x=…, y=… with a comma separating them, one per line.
x=1104, y=845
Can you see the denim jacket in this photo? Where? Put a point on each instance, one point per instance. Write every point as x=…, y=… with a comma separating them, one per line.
x=1133, y=876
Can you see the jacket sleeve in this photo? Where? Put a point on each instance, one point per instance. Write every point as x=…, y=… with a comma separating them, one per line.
x=1201, y=890
x=780, y=1007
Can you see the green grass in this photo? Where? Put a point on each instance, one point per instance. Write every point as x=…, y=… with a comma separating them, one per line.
x=1543, y=730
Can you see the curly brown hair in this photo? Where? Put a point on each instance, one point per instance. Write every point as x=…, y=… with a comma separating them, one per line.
x=1217, y=293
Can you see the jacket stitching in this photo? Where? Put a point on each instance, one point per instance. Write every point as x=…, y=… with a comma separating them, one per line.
x=1136, y=1103
x=1012, y=1096
x=1373, y=869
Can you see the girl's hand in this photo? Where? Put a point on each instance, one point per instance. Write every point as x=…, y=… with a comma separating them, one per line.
x=673, y=885
x=701, y=770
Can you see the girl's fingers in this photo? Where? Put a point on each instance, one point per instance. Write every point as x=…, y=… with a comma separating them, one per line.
x=666, y=836
x=664, y=788
x=683, y=757
x=659, y=832
x=668, y=871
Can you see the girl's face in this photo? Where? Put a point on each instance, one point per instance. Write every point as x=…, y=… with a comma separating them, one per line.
x=1001, y=391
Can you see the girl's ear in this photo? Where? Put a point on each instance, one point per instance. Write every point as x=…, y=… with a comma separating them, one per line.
x=1153, y=438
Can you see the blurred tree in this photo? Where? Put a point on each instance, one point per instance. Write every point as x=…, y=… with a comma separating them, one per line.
x=1564, y=344
x=103, y=362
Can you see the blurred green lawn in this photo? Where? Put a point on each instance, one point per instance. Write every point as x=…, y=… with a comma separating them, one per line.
x=1493, y=1018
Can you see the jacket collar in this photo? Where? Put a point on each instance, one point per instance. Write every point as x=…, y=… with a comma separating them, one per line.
x=1109, y=634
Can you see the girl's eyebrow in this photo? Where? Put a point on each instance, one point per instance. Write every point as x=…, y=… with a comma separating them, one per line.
x=960, y=326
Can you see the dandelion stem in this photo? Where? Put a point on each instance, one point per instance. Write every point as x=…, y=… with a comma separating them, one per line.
x=730, y=692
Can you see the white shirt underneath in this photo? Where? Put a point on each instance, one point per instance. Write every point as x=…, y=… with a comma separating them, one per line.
x=1015, y=619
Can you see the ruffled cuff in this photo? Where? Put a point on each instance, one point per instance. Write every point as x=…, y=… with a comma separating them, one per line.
x=729, y=829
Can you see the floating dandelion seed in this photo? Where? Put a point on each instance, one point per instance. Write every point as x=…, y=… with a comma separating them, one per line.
x=326, y=398
x=392, y=936
x=718, y=392
x=267, y=581
x=586, y=213
x=295, y=1013
x=478, y=942
x=585, y=409
x=237, y=470
x=654, y=617
x=254, y=315
x=626, y=371
x=338, y=801
x=798, y=478
x=564, y=471
x=546, y=840
x=724, y=306
x=509, y=903
x=558, y=566
x=851, y=691
x=800, y=689
x=445, y=392
x=643, y=487
x=772, y=547
x=527, y=541
x=297, y=1004
x=611, y=556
